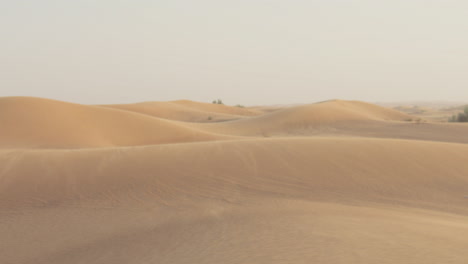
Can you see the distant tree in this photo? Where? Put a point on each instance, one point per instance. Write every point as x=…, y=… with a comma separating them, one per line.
x=214, y=102
x=462, y=117
x=453, y=118
x=219, y=101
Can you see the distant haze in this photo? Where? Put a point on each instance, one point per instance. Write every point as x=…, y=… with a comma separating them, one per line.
x=246, y=51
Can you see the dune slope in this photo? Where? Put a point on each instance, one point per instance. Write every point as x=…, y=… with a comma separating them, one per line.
x=218, y=108
x=34, y=122
x=280, y=200
x=364, y=169
x=186, y=111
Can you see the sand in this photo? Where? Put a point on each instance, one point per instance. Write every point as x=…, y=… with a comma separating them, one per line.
x=41, y=123
x=188, y=111
x=332, y=182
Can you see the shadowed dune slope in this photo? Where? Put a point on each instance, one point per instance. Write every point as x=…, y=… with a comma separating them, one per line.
x=186, y=111
x=313, y=115
x=444, y=132
x=28, y=122
x=322, y=200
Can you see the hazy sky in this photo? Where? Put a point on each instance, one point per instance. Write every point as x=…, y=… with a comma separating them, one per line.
x=243, y=51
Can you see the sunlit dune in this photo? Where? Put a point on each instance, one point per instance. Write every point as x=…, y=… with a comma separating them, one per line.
x=40, y=123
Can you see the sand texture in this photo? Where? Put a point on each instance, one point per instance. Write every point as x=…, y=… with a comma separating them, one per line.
x=335, y=182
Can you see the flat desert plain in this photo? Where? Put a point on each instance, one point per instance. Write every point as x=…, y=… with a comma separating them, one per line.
x=335, y=182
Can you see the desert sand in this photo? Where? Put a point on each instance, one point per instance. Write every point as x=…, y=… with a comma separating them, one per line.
x=189, y=182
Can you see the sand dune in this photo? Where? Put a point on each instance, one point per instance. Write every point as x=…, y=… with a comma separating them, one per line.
x=333, y=111
x=333, y=184
x=218, y=108
x=282, y=200
x=342, y=119
x=187, y=111
x=308, y=116
x=320, y=168
x=33, y=123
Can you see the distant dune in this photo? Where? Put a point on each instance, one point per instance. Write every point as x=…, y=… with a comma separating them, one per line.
x=302, y=117
x=332, y=182
x=329, y=112
x=218, y=108
x=188, y=111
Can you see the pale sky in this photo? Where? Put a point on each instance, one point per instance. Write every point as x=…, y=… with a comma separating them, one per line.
x=245, y=51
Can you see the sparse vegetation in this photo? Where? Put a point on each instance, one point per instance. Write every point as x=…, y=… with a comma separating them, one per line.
x=240, y=106
x=210, y=118
x=219, y=101
x=461, y=117
x=415, y=120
